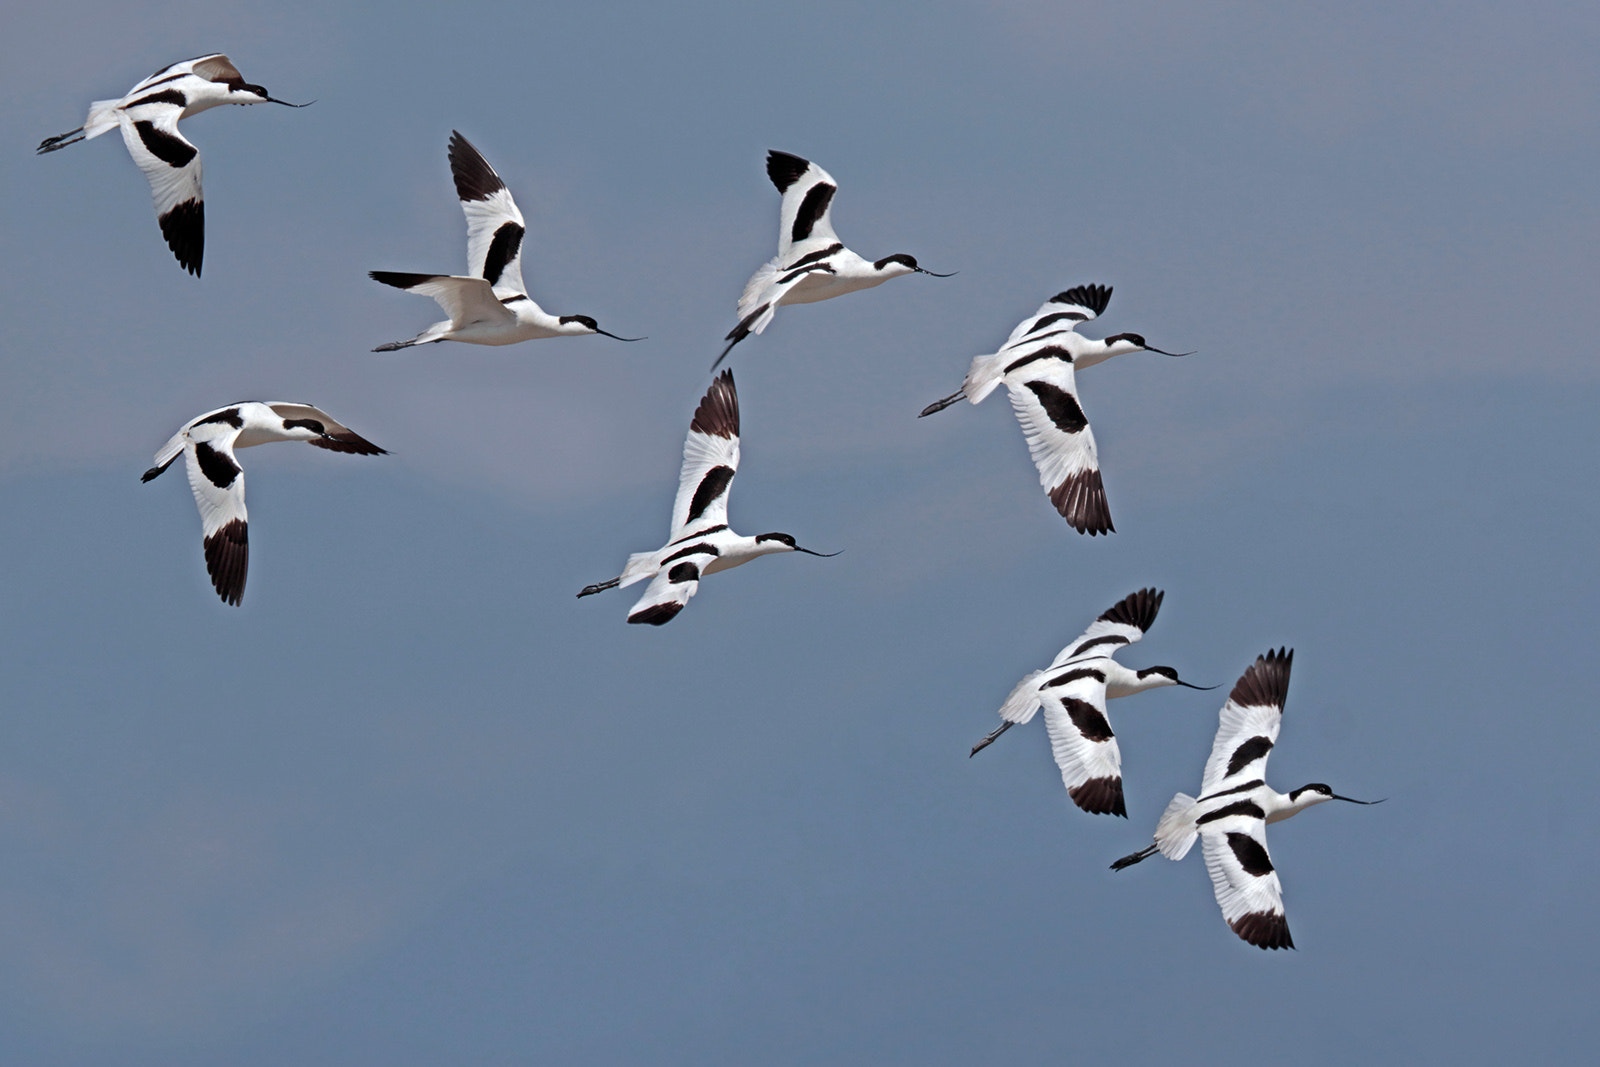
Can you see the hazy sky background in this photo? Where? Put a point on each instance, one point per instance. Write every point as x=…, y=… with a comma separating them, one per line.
x=414, y=803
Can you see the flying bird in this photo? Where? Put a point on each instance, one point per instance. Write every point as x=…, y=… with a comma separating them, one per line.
x=1073, y=691
x=148, y=116
x=489, y=305
x=811, y=263
x=1235, y=805
x=700, y=542
x=1038, y=363
x=207, y=444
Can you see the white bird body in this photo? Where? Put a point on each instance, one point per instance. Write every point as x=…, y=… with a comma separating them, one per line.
x=812, y=264
x=148, y=116
x=700, y=542
x=1235, y=805
x=208, y=442
x=490, y=304
x=1072, y=692
x=1038, y=365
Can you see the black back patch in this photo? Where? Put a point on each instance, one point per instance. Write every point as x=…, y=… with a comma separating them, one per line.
x=1100, y=796
x=1047, y=352
x=1108, y=639
x=1250, y=854
x=812, y=257
x=701, y=549
x=718, y=413
x=229, y=416
x=1051, y=320
x=711, y=487
x=171, y=150
x=683, y=572
x=502, y=250
x=812, y=208
x=784, y=169
x=1247, y=753
x=1266, y=682
x=218, y=468
x=1073, y=676
x=184, y=227
x=1246, y=808
x=1088, y=719
x=1061, y=406
x=165, y=96
x=1137, y=609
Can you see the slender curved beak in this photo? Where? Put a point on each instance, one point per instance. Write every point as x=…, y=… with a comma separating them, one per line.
x=952, y=274
x=1147, y=348
x=824, y=555
x=1352, y=800
x=285, y=103
x=1202, y=688
x=603, y=333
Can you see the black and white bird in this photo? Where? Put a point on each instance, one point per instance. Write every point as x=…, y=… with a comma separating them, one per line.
x=1038, y=363
x=207, y=444
x=700, y=541
x=811, y=264
x=489, y=305
x=1073, y=692
x=148, y=117
x=1235, y=805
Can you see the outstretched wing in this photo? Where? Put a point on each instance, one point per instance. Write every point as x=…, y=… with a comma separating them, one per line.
x=676, y=581
x=1248, y=726
x=710, y=460
x=1062, y=445
x=465, y=300
x=218, y=484
x=807, y=198
x=494, y=225
x=1244, y=880
x=1124, y=623
x=172, y=166
x=1083, y=744
x=1062, y=313
x=336, y=436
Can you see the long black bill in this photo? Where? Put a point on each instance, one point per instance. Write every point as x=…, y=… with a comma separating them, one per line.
x=285, y=103
x=1202, y=688
x=602, y=333
x=1147, y=348
x=989, y=740
x=1352, y=800
x=952, y=274
x=824, y=555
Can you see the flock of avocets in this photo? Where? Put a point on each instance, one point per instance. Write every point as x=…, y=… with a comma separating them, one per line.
x=1037, y=364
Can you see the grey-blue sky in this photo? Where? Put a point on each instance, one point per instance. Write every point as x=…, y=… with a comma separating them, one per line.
x=415, y=801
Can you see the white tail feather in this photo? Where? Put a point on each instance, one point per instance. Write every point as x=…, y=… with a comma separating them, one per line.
x=641, y=565
x=986, y=373
x=1175, y=833
x=1023, y=702
x=754, y=290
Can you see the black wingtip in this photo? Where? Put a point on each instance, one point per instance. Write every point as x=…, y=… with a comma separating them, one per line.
x=785, y=169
